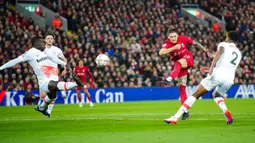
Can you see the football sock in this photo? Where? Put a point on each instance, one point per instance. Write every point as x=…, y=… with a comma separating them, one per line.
x=79, y=98
x=220, y=102
x=50, y=107
x=176, y=71
x=45, y=103
x=89, y=98
x=66, y=85
x=183, y=94
x=186, y=105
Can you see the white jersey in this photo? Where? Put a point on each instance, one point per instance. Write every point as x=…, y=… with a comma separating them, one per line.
x=52, y=52
x=226, y=66
x=43, y=67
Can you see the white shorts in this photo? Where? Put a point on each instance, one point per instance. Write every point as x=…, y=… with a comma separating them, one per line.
x=209, y=83
x=43, y=85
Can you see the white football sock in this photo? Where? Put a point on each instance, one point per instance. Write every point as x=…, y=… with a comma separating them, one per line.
x=66, y=85
x=220, y=102
x=186, y=105
x=45, y=103
x=50, y=107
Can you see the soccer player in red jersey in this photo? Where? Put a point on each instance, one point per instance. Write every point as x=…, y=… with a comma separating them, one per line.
x=176, y=47
x=82, y=71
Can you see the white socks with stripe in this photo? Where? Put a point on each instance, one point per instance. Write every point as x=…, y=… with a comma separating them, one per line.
x=66, y=85
x=45, y=103
x=220, y=102
x=185, y=106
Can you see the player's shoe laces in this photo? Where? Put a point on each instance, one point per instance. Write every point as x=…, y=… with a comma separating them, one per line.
x=164, y=83
x=171, y=120
x=229, y=117
x=77, y=80
x=185, y=116
x=44, y=112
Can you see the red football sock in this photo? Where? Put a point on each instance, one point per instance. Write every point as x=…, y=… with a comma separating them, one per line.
x=183, y=95
x=79, y=98
x=89, y=98
x=176, y=71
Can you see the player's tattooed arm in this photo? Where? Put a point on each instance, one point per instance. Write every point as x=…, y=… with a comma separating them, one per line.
x=216, y=58
x=195, y=43
x=164, y=50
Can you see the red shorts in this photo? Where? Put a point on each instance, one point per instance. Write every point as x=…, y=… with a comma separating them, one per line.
x=79, y=88
x=190, y=63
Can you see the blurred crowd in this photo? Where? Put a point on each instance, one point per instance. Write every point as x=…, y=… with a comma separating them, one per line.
x=131, y=32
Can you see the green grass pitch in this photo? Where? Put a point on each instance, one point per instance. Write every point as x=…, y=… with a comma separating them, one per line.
x=129, y=122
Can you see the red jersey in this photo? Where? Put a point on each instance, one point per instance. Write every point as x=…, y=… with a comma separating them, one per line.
x=82, y=73
x=183, y=51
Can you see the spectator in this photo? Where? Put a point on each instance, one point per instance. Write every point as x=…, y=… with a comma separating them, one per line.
x=56, y=22
x=30, y=98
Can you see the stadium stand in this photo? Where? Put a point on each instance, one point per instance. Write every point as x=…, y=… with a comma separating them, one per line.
x=131, y=32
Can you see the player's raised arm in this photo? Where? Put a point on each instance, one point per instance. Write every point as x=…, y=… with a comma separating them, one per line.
x=215, y=60
x=20, y=59
x=164, y=50
x=200, y=46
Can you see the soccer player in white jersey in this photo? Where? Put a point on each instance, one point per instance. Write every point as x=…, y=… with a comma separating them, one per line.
x=221, y=77
x=52, y=51
x=45, y=72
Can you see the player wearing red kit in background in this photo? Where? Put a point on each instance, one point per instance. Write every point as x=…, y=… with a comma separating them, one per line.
x=82, y=71
x=176, y=47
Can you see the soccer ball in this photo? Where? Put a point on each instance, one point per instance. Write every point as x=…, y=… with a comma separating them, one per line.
x=102, y=60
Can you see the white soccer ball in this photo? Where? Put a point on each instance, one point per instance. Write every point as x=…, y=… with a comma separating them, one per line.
x=102, y=60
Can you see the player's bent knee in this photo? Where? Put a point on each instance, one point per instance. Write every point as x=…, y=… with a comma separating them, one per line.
x=182, y=81
x=183, y=62
x=53, y=86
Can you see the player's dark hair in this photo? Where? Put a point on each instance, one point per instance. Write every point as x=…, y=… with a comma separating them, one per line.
x=171, y=30
x=233, y=35
x=36, y=42
x=49, y=34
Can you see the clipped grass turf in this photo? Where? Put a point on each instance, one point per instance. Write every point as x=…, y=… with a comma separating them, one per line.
x=130, y=122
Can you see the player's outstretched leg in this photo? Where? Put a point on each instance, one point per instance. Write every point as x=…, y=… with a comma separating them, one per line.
x=88, y=97
x=219, y=100
x=173, y=75
x=77, y=80
x=186, y=105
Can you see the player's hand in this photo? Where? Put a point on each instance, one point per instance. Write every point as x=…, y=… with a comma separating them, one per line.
x=64, y=71
x=178, y=46
x=204, y=69
x=210, y=55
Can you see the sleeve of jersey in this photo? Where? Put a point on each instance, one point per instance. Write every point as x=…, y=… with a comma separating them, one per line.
x=189, y=40
x=60, y=54
x=21, y=58
x=90, y=74
x=165, y=45
x=55, y=59
x=220, y=45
